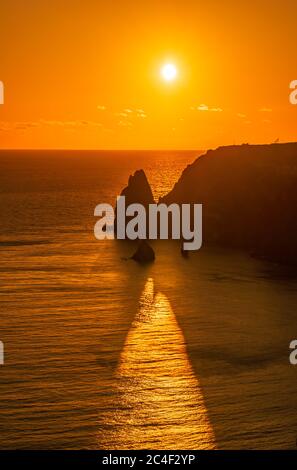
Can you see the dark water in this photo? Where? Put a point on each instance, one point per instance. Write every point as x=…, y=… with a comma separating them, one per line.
x=103, y=353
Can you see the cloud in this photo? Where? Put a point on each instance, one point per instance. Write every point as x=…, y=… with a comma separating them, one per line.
x=240, y=115
x=216, y=110
x=6, y=126
x=202, y=107
x=78, y=123
x=121, y=114
x=101, y=107
x=205, y=107
x=125, y=123
x=129, y=113
x=25, y=125
x=265, y=110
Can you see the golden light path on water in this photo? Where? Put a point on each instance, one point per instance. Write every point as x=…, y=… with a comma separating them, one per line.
x=160, y=404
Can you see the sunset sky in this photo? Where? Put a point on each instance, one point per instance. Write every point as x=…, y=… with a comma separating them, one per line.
x=88, y=74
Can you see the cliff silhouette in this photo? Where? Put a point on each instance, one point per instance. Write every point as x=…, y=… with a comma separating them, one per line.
x=249, y=197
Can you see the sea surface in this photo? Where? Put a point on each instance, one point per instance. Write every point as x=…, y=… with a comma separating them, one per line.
x=101, y=353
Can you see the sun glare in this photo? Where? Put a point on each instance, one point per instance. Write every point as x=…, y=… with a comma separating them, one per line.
x=169, y=72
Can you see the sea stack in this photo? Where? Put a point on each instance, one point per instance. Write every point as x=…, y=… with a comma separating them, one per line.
x=144, y=253
x=138, y=191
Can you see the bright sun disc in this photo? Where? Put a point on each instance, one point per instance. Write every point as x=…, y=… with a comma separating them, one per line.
x=168, y=72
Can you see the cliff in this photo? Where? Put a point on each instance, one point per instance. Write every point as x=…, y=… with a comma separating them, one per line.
x=249, y=197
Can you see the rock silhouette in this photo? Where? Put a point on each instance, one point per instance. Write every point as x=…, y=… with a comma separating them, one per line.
x=249, y=197
x=144, y=253
x=138, y=191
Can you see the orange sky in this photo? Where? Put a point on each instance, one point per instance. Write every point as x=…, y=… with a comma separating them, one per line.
x=85, y=74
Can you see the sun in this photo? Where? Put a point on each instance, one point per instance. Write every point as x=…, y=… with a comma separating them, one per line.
x=169, y=72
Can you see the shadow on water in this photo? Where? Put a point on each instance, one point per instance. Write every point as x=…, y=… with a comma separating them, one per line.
x=121, y=284
x=205, y=359
x=158, y=401
x=238, y=324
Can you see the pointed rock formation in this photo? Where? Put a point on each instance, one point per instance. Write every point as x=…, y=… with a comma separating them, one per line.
x=144, y=253
x=137, y=191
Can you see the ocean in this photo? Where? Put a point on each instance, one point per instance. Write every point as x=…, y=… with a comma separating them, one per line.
x=101, y=353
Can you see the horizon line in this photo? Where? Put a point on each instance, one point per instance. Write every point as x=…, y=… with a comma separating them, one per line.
x=144, y=150
x=98, y=150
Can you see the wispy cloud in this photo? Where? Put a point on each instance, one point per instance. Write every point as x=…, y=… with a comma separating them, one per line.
x=101, y=107
x=6, y=126
x=128, y=115
x=125, y=123
x=121, y=114
x=77, y=123
x=202, y=107
x=216, y=110
x=205, y=107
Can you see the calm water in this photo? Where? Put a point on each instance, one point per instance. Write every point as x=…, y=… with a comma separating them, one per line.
x=103, y=353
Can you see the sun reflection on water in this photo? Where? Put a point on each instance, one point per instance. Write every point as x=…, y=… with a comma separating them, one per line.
x=160, y=402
